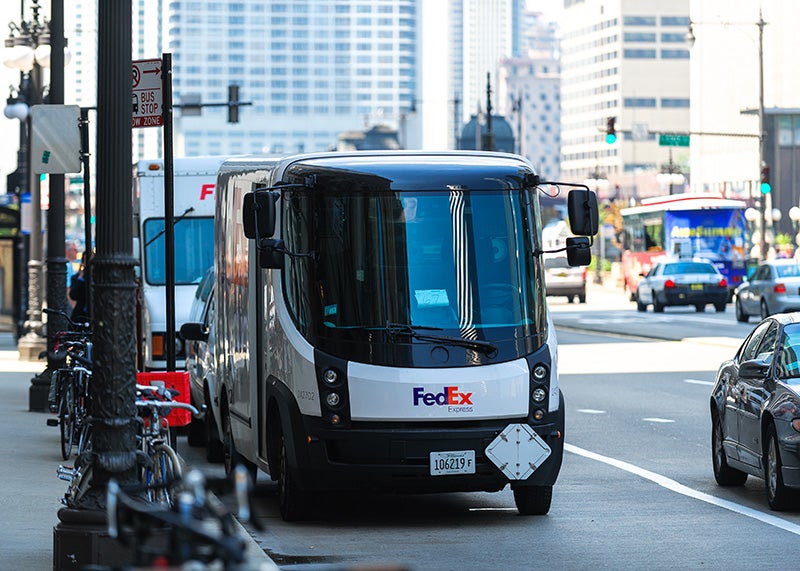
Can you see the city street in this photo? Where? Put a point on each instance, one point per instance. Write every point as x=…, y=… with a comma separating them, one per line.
x=636, y=488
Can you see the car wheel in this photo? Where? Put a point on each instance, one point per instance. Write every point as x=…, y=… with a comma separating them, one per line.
x=570, y=298
x=779, y=496
x=582, y=297
x=658, y=307
x=699, y=307
x=640, y=306
x=720, y=307
x=723, y=474
x=230, y=456
x=533, y=500
x=741, y=316
x=764, y=309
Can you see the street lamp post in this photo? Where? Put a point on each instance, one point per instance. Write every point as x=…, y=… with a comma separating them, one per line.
x=598, y=181
x=21, y=54
x=794, y=216
x=690, y=38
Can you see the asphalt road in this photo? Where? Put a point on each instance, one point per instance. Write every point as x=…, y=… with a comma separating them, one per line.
x=636, y=488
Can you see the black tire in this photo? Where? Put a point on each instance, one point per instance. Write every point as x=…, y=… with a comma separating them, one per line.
x=66, y=417
x=764, y=309
x=741, y=316
x=723, y=474
x=533, y=500
x=779, y=497
x=582, y=297
x=641, y=306
x=699, y=307
x=164, y=473
x=293, y=502
x=85, y=438
x=570, y=298
x=658, y=307
x=196, y=435
x=230, y=456
x=214, y=449
x=720, y=307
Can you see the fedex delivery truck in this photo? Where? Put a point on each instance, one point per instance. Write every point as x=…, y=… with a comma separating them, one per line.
x=381, y=324
x=194, y=190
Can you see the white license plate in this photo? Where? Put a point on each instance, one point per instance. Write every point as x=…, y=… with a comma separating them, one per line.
x=455, y=462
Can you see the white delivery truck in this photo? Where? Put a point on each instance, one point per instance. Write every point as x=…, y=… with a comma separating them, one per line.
x=381, y=324
x=194, y=197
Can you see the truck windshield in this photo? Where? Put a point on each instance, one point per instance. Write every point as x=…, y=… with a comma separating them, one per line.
x=461, y=263
x=194, y=250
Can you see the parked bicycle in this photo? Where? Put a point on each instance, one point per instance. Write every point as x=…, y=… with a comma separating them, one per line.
x=69, y=385
x=201, y=532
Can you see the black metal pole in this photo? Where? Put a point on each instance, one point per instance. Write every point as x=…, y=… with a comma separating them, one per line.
x=56, y=261
x=87, y=202
x=169, y=208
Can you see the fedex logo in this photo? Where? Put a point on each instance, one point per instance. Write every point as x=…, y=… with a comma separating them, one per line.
x=448, y=396
x=206, y=190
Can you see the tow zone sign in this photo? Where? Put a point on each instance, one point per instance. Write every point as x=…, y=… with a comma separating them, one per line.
x=147, y=93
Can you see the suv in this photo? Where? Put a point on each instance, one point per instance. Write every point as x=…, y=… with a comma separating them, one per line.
x=562, y=279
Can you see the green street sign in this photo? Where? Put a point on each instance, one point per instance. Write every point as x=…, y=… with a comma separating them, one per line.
x=673, y=140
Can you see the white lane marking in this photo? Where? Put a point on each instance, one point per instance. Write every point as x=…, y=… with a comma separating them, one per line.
x=591, y=411
x=656, y=419
x=697, y=382
x=674, y=486
x=492, y=509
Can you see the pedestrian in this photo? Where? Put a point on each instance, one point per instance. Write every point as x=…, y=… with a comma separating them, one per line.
x=79, y=293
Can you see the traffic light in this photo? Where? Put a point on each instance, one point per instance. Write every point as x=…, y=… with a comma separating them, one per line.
x=765, y=186
x=611, y=131
x=233, y=103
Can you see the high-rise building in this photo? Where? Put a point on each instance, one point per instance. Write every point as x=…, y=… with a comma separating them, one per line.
x=310, y=69
x=625, y=60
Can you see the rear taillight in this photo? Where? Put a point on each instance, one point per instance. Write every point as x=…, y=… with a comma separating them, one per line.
x=584, y=274
x=723, y=283
x=669, y=284
x=779, y=288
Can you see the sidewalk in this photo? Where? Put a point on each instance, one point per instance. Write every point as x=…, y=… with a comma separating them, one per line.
x=31, y=452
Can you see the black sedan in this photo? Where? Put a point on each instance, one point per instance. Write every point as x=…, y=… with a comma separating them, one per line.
x=682, y=282
x=755, y=412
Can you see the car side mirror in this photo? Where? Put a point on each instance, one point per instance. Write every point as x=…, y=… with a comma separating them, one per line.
x=754, y=369
x=193, y=331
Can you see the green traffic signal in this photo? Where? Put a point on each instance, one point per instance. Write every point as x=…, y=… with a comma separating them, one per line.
x=765, y=188
x=611, y=138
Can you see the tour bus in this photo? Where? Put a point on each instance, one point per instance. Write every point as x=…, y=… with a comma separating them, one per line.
x=194, y=182
x=381, y=324
x=690, y=225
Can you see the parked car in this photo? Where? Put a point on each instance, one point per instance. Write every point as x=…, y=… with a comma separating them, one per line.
x=561, y=279
x=682, y=282
x=755, y=412
x=774, y=287
x=199, y=335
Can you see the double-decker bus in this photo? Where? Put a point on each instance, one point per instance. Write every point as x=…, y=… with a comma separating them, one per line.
x=691, y=225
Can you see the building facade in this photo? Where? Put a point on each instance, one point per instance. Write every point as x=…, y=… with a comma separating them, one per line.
x=627, y=60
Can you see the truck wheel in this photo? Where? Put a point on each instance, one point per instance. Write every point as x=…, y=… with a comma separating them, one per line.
x=533, y=500
x=292, y=501
x=214, y=449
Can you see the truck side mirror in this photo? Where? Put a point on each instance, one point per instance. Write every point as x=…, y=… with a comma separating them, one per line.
x=583, y=212
x=579, y=251
x=258, y=214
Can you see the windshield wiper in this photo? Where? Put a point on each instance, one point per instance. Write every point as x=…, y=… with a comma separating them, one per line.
x=174, y=222
x=420, y=332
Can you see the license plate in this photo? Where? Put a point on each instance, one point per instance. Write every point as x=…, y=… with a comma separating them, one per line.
x=455, y=462
x=696, y=287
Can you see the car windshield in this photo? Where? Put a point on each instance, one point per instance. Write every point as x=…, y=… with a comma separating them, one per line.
x=792, y=271
x=688, y=268
x=788, y=361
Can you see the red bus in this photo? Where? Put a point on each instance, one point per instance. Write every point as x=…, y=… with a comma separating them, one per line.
x=695, y=225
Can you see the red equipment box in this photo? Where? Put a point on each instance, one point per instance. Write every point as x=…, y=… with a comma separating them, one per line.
x=178, y=380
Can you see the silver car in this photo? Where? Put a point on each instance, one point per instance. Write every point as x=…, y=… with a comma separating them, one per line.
x=774, y=287
x=682, y=282
x=561, y=279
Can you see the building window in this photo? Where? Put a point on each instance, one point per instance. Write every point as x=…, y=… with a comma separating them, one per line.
x=682, y=21
x=639, y=37
x=674, y=54
x=672, y=38
x=674, y=103
x=639, y=54
x=640, y=21
x=640, y=102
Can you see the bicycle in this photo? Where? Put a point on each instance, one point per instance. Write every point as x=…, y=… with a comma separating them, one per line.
x=69, y=385
x=201, y=532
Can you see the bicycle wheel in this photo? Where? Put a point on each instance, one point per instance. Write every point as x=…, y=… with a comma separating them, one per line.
x=66, y=415
x=78, y=487
x=166, y=469
x=81, y=424
x=85, y=438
